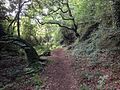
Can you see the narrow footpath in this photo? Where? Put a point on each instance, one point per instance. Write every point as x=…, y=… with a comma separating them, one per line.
x=59, y=74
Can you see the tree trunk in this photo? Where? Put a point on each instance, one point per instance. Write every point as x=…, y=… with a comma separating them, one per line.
x=31, y=53
x=18, y=18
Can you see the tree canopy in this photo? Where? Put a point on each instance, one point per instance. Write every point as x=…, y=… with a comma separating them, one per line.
x=39, y=21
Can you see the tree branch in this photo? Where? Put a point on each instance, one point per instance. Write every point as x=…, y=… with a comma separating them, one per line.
x=16, y=16
x=62, y=12
x=70, y=18
x=54, y=22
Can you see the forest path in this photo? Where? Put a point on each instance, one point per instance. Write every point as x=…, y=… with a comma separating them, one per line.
x=59, y=74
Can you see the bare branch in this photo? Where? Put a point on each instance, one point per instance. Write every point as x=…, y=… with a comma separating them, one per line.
x=63, y=11
x=60, y=24
x=63, y=17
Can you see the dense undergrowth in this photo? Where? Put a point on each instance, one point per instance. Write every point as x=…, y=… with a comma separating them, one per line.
x=100, y=73
x=15, y=72
x=97, y=60
x=96, y=48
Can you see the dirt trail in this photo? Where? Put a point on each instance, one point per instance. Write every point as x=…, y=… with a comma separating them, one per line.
x=59, y=75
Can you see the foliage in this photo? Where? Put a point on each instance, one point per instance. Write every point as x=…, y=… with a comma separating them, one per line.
x=49, y=41
x=3, y=10
x=45, y=23
x=37, y=80
x=37, y=18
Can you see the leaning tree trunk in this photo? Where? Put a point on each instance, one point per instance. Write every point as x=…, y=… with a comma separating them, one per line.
x=116, y=13
x=31, y=53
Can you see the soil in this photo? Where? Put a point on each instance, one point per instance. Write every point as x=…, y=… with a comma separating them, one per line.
x=63, y=72
x=59, y=75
